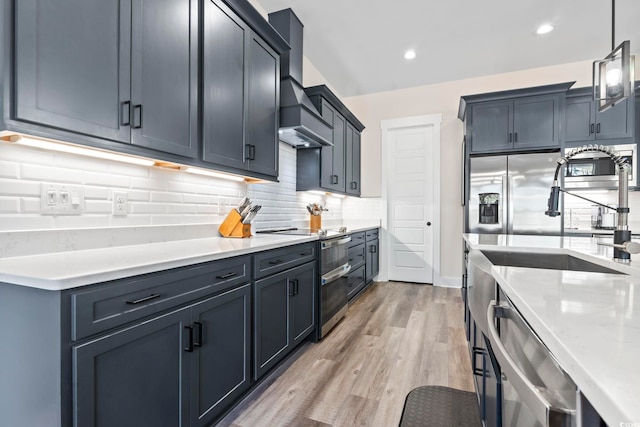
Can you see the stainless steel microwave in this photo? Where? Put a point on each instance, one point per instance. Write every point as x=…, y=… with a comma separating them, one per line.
x=597, y=170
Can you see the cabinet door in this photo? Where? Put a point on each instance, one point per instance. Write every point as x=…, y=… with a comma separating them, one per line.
x=355, y=281
x=616, y=122
x=579, y=120
x=536, y=122
x=262, y=108
x=72, y=65
x=302, y=291
x=326, y=152
x=491, y=126
x=164, y=76
x=135, y=377
x=353, y=161
x=338, y=182
x=224, y=83
x=220, y=369
x=373, y=262
x=271, y=322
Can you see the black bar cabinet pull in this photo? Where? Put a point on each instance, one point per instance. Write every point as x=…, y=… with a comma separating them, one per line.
x=137, y=108
x=189, y=347
x=598, y=128
x=373, y=249
x=227, y=276
x=510, y=137
x=251, y=152
x=141, y=300
x=276, y=262
x=126, y=115
x=292, y=288
x=515, y=137
x=477, y=351
x=334, y=179
x=591, y=129
x=305, y=254
x=198, y=334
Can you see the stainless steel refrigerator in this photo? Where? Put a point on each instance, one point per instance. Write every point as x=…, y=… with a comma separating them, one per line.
x=508, y=194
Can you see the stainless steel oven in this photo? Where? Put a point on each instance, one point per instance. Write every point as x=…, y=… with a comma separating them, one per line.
x=597, y=170
x=334, y=266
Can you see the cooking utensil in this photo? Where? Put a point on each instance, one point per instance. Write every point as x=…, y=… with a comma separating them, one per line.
x=245, y=211
x=243, y=204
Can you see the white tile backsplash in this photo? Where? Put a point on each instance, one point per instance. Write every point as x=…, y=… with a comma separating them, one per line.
x=164, y=204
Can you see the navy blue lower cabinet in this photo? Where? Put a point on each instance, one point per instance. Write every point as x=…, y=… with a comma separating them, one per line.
x=178, y=369
x=221, y=360
x=134, y=377
x=492, y=389
x=284, y=314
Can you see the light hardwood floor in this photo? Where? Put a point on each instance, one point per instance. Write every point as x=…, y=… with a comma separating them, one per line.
x=397, y=336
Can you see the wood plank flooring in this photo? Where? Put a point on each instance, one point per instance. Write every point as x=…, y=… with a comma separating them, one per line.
x=397, y=336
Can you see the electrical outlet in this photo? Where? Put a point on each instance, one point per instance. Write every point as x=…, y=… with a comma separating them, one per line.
x=120, y=203
x=61, y=199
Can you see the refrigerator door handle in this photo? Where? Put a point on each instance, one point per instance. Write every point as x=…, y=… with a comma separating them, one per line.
x=504, y=204
x=510, y=187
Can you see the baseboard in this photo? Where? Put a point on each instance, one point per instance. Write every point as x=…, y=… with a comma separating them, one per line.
x=449, y=282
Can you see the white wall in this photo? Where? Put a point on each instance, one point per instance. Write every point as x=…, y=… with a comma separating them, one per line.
x=444, y=98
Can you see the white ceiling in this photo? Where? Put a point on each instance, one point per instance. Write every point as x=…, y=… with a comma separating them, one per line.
x=359, y=45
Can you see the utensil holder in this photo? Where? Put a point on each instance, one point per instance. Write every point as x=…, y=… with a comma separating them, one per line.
x=315, y=222
x=232, y=226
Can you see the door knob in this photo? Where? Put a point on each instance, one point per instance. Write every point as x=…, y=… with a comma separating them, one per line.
x=429, y=224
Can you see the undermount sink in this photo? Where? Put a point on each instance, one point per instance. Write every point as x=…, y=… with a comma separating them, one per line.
x=547, y=261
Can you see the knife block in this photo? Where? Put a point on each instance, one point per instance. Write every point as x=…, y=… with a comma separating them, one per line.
x=232, y=226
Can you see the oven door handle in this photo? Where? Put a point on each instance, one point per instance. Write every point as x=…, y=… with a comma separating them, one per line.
x=533, y=397
x=330, y=243
x=339, y=272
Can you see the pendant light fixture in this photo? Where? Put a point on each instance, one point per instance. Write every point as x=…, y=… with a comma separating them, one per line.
x=613, y=76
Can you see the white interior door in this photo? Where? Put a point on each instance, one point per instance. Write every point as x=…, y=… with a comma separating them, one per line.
x=410, y=201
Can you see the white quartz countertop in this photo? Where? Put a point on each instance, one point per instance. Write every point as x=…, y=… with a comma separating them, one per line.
x=589, y=321
x=70, y=269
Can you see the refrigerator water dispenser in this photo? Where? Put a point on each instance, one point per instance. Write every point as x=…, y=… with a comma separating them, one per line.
x=488, y=208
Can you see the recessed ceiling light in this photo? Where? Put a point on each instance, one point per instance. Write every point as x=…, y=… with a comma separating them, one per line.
x=410, y=54
x=544, y=29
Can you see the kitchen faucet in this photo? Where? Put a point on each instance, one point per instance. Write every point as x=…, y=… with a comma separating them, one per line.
x=622, y=244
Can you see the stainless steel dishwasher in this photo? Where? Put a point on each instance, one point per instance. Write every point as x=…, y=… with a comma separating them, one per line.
x=536, y=391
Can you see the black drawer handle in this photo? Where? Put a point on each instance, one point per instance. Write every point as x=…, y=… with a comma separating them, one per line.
x=305, y=254
x=276, y=262
x=515, y=137
x=198, y=334
x=145, y=299
x=189, y=347
x=598, y=128
x=510, y=137
x=227, y=276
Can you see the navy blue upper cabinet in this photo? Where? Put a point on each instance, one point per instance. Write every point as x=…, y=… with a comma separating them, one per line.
x=114, y=70
x=515, y=120
x=72, y=65
x=584, y=123
x=164, y=76
x=241, y=82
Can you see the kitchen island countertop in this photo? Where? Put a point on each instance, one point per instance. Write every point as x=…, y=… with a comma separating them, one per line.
x=64, y=270
x=589, y=321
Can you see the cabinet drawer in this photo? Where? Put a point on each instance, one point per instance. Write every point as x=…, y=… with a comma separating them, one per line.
x=372, y=234
x=112, y=304
x=357, y=238
x=277, y=260
x=356, y=256
x=355, y=281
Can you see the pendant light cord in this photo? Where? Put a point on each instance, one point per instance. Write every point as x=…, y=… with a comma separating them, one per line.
x=613, y=25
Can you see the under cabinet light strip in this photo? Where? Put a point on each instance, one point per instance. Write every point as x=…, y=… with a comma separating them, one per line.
x=73, y=149
x=206, y=172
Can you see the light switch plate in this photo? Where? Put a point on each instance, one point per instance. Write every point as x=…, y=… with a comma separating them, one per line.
x=61, y=199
